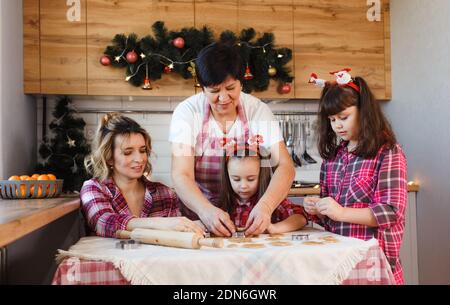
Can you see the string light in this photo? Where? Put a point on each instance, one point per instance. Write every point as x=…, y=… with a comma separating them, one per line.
x=134, y=74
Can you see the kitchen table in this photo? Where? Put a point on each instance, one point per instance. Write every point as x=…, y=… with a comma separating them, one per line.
x=323, y=259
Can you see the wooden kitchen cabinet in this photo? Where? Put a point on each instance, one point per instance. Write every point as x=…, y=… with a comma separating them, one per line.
x=330, y=35
x=274, y=16
x=31, y=47
x=324, y=35
x=107, y=18
x=62, y=48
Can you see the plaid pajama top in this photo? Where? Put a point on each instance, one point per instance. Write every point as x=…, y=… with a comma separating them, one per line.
x=285, y=209
x=106, y=210
x=380, y=184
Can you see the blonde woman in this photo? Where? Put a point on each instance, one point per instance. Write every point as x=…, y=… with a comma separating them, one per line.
x=119, y=196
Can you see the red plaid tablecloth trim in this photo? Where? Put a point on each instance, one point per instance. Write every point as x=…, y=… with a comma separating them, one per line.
x=372, y=270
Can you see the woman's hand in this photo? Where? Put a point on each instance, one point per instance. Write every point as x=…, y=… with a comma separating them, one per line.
x=309, y=204
x=259, y=219
x=217, y=221
x=176, y=224
x=272, y=229
x=329, y=207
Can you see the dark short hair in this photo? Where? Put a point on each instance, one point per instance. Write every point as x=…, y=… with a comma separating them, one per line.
x=218, y=61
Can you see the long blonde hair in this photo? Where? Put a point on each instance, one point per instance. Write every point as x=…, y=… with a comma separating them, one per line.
x=112, y=125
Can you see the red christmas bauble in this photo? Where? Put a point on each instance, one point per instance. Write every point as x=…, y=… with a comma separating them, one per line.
x=167, y=69
x=105, y=60
x=285, y=89
x=132, y=57
x=178, y=42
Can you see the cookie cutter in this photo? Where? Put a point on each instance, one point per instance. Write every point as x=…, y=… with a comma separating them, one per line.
x=300, y=237
x=240, y=232
x=127, y=244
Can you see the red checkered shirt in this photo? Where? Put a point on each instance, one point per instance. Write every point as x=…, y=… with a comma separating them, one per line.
x=285, y=209
x=380, y=184
x=106, y=209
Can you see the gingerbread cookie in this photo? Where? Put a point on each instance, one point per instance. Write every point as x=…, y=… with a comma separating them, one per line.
x=232, y=246
x=329, y=239
x=312, y=243
x=276, y=235
x=273, y=238
x=240, y=239
x=253, y=246
x=281, y=243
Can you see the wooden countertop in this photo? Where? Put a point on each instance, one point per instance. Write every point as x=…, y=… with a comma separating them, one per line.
x=21, y=217
x=316, y=190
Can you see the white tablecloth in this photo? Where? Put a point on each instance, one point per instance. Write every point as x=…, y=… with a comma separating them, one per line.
x=329, y=263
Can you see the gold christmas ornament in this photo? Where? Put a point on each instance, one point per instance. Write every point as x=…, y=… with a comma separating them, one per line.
x=272, y=71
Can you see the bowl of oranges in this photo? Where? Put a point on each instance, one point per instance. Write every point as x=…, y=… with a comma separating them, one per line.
x=34, y=186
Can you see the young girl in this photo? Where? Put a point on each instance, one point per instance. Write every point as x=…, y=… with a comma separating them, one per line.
x=363, y=176
x=245, y=178
x=119, y=196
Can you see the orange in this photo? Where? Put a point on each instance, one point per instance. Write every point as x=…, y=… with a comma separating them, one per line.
x=51, y=176
x=42, y=178
x=14, y=178
x=35, y=176
x=22, y=191
x=32, y=186
x=24, y=177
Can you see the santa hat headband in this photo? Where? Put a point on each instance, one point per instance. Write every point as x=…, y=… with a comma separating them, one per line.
x=343, y=78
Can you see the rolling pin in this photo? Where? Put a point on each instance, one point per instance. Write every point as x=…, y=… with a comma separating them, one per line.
x=188, y=240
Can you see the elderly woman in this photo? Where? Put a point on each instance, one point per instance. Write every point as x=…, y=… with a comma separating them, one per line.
x=200, y=127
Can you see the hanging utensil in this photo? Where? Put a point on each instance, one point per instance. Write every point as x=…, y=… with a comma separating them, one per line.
x=305, y=154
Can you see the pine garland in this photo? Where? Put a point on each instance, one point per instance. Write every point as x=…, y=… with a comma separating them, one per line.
x=157, y=55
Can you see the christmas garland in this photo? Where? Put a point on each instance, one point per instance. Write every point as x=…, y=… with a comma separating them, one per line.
x=176, y=51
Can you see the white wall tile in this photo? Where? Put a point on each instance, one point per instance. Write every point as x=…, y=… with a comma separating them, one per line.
x=161, y=164
x=158, y=132
x=157, y=119
x=89, y=132
x=162, y=105
x=161, y=148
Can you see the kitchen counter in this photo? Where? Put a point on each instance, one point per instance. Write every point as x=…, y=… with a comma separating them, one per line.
x=316, y=190
x=23, y=216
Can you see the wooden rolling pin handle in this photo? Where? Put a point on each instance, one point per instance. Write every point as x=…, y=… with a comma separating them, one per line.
x=122, y=234
x=211, y=242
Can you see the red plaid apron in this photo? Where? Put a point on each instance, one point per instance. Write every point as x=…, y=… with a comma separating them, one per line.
x=208, y=159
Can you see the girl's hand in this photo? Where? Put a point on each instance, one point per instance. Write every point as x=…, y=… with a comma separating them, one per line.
x=329, y=207
x=258, y=220
x=218, y=221
x=309, y=204
x=176, y=224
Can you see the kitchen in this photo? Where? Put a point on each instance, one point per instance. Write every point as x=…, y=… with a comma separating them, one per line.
x=409, y=78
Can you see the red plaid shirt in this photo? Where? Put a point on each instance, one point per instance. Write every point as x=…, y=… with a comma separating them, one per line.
x=285, y=209
x=107, y=211
x=379, y=184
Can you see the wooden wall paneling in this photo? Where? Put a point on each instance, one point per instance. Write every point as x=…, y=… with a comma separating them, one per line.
x=31, y=55
x=329, y=35
x=107, y=18
x=63, y=49
x=218, y=15
x=274, y=16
